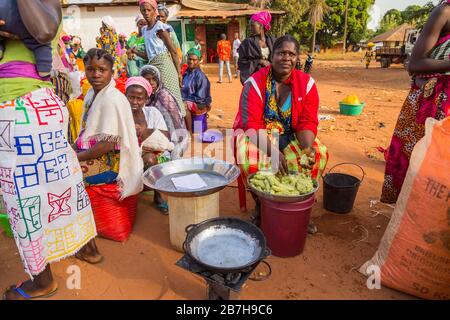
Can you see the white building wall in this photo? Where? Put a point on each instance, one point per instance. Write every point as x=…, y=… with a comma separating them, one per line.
x=78, y=21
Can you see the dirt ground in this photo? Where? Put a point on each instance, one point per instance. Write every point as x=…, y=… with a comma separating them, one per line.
x=144, y=266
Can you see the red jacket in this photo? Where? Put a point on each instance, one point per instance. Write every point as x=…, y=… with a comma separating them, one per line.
x=305, y=102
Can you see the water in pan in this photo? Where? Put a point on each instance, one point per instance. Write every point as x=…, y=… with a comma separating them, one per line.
x=225, y=247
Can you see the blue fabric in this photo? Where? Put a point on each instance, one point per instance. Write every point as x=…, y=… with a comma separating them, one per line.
x=106, y=177
x=196, y=88
x=287, y=104
x=9, y=12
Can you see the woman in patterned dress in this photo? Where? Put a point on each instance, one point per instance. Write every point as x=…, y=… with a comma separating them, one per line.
x=41, y=180
x=428, y=97
x=109, y=40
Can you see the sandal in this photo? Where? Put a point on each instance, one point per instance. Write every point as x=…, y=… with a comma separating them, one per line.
x=26, y=296
x=163, y=207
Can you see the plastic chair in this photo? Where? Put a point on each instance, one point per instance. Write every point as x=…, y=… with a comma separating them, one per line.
x=212, y=55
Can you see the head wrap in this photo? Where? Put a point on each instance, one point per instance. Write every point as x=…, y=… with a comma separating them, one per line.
x=162, y=7
x=153, y=3
x=109, y=21
x=263, y=17
x=139, y=81
x=152, y=70
x=76, y=40
x=138, y=18
x=196, y=52
x=66, y=38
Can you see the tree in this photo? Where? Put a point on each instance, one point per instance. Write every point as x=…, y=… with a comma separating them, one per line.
x=391, y=19
x=414, y=15
x=332, y=28
x=318, y=9
x=295, y=11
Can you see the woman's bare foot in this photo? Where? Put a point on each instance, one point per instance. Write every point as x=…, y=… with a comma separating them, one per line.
x=43, y=286
x=89, y=253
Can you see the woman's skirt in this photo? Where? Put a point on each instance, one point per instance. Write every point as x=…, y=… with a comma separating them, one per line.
x=41, y=181
x=169, y=78
x=428, y=100
x=250, y=159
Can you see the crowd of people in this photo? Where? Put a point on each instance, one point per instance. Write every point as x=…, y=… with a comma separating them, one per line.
x=43, y=185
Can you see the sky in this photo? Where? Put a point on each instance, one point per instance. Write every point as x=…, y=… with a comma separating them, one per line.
x=381, y=6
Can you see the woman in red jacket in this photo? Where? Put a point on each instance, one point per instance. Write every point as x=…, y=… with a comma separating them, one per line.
x=280, y=101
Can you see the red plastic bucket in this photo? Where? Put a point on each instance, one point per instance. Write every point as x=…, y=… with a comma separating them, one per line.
x=285, y=226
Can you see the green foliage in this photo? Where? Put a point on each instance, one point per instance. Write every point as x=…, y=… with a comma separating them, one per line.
x=414, y=15
x=331, y=30
x=295, y=11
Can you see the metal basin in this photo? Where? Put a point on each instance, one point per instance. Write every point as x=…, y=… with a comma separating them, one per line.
x=217, y=175
x=278, y=198
x=225, y=244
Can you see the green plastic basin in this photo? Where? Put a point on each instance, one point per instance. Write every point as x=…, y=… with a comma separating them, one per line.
x=351, y=109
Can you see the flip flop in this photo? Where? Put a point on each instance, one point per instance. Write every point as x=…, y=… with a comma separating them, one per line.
x=25, y=295
x=163, y=207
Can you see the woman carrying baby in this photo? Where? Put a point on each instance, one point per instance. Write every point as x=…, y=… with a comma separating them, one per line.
x=151, y=129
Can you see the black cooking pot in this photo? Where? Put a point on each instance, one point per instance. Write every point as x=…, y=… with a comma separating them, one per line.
x=205, y=233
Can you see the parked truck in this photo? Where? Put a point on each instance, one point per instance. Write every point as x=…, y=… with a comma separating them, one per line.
x=400, y=54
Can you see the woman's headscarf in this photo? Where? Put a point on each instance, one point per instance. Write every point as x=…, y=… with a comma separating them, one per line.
x=138, y=18
x=153, y=71
x=196, y=52
x=108, y=21
x=162, y=7
x=153, y=3
x=76, y=40
x=263, y=17
x=66, y=38
x=139, y=81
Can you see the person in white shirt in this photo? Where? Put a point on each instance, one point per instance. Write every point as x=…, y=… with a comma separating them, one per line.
x=236, y=45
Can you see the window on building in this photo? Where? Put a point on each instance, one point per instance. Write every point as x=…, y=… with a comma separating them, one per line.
x=190, y=32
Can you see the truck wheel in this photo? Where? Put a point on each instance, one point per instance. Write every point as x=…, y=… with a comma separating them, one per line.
x=384, y=63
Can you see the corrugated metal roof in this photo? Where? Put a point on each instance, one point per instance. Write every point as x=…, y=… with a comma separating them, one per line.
x=66, y=3
x=394, y=35
x=185, y=13
x=213, y=5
